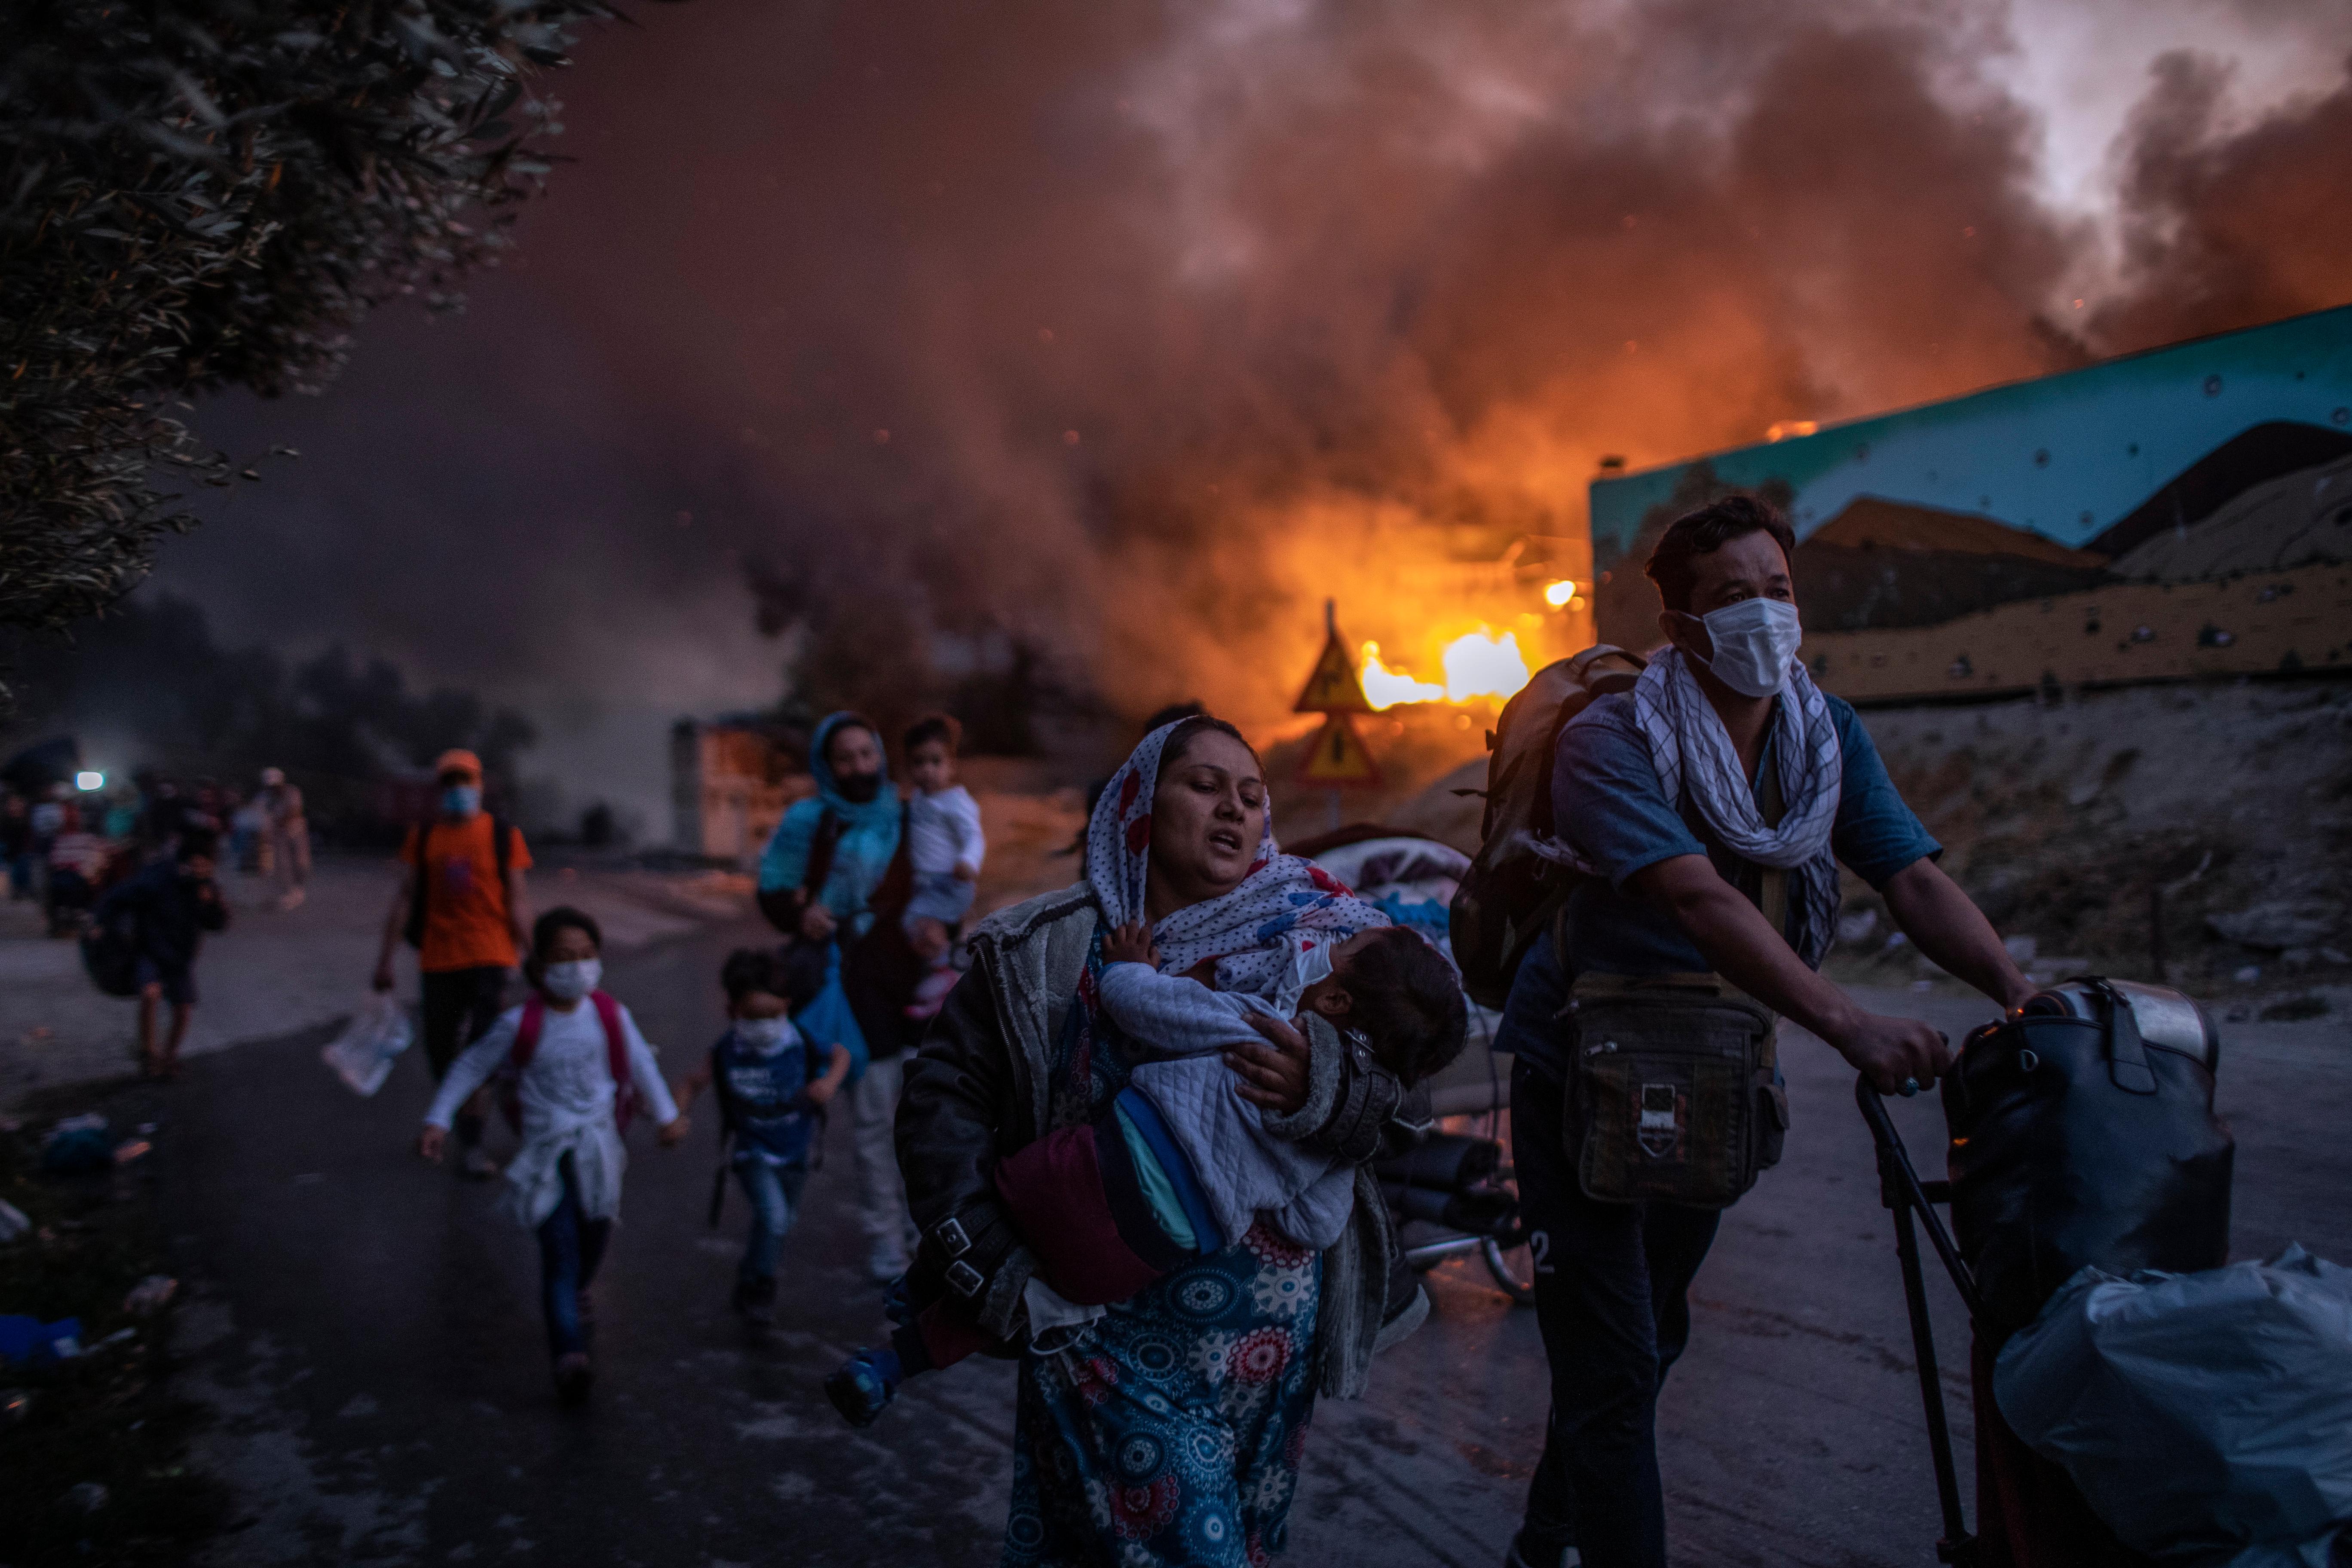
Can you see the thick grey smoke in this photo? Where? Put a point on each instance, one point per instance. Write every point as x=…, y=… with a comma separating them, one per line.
x=1129, y=332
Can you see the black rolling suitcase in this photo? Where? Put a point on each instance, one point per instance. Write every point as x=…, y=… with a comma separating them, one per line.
x=2082, y=1134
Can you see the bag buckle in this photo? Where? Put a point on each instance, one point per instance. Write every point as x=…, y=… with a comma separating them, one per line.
x=965, y=1280
x=950, y=1237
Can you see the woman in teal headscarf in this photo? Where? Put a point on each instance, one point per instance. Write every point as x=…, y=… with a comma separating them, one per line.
x=853, y=790
x=852, y=831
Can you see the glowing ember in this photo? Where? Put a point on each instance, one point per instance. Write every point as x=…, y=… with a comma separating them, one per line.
x=1560, y=593
x=1480, y=664
x=1385, y=688
x=1484, y=665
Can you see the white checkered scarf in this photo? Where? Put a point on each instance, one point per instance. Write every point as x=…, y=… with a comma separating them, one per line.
x=1691, y=749
x=1258, y=933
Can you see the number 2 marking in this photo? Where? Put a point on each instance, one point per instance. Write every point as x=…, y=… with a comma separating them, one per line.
x=1540, y=1250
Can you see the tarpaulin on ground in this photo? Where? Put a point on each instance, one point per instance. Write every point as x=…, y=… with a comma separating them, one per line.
x=2207, y=1417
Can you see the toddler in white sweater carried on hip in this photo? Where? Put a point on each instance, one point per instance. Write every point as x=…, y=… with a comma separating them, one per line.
x=945, y=849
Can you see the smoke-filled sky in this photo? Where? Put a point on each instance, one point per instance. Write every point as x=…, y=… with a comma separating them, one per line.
x=1133, y=330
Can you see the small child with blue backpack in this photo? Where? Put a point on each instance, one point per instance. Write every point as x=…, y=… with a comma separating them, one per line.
x=773, y=1087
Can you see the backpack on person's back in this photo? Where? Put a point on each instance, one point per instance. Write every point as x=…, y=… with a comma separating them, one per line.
x=1523, y=872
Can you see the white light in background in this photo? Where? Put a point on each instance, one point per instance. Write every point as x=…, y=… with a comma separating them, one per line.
x=88, y=780
x=1559, y=593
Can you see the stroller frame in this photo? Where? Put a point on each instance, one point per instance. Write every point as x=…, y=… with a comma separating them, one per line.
x=1901, y=1191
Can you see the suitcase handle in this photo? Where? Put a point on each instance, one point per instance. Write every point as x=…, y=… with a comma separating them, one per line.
x=1902, y=1191
x=1900, y=1188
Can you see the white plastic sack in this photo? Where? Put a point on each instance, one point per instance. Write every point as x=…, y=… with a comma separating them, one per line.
x=362, y=1054
x=2207, y=1417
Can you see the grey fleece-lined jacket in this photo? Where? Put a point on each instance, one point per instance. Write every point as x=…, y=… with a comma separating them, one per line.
x=980, y=1088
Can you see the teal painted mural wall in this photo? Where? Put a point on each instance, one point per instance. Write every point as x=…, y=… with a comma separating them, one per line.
x=2066, y=455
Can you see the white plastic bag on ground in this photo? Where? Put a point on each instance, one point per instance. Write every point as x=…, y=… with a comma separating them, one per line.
x=362, y=1054
x=2207, y=1417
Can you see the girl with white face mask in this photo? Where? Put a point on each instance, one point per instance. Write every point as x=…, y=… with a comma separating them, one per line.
x=575, y=1068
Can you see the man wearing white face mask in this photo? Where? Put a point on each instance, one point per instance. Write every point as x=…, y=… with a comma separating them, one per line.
x=1712, y=806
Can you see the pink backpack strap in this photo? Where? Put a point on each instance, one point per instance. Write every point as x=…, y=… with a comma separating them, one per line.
x=527, y=1032
x=616, y=1054
x=519, y=1055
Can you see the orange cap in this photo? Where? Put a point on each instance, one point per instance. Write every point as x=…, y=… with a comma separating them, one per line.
x=458, y=761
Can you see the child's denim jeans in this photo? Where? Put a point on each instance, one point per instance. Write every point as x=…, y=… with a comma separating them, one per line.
x=775, y=1194
x=570, y=1248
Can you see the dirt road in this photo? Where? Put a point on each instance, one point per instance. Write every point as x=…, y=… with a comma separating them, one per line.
x=367, y=1327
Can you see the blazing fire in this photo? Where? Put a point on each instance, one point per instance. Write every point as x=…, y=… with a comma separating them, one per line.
x=1483, y=663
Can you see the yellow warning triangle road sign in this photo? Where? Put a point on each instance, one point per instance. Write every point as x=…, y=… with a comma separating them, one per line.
x=1334, y=686
x=1338, y=756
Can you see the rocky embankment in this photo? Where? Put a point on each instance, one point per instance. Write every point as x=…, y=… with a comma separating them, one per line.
x=2212, y=821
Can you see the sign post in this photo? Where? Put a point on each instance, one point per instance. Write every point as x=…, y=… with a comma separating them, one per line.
x=1336, y=759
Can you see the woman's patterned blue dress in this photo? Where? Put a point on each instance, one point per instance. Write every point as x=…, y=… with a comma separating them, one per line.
x=1171, y=1431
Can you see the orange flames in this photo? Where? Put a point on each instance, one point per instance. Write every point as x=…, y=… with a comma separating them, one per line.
x=1477, y=664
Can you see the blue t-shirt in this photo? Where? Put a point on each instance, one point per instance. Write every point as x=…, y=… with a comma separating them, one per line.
x=1608, y=802
x=761, y=1094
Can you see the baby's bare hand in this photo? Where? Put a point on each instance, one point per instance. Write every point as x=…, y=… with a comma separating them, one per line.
x=1130, y=943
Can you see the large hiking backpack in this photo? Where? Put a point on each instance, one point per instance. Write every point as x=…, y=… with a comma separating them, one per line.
x=1523, y=873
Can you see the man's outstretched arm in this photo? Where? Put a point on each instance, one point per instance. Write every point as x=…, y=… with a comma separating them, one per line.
x=1740, y=944
x=1944, y=924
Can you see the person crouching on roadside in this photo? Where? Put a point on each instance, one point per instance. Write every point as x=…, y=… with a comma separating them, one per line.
x=576, y=1067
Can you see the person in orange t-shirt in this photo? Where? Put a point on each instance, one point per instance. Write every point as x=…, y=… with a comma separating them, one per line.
x=469, y=923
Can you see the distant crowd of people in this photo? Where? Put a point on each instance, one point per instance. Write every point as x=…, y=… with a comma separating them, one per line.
x=136, y=862
x=65, y=846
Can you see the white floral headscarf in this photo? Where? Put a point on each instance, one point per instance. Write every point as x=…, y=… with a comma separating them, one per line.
x=1268, y=935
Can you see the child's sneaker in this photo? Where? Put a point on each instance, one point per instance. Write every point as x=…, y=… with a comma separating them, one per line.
x=864, y=1387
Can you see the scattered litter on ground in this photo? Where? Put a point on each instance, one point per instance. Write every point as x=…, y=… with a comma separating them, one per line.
x=89, y=1497
x=363, y=1055
x=77, y=1146
x=12, y=1223
x=130, y=1149
x=15, y=1403
x=151, y=1295
x=25, y=1340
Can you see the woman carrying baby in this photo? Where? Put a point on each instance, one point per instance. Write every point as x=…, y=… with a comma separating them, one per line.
x=1168, y=1428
